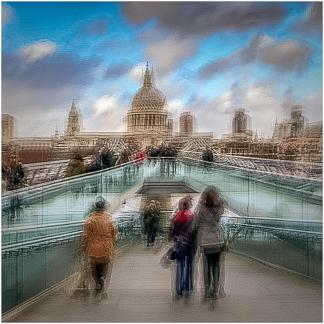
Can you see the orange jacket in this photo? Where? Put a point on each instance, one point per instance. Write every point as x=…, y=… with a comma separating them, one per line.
x=99, y=237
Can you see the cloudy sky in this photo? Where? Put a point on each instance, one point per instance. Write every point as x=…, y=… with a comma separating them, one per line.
x=210, y=58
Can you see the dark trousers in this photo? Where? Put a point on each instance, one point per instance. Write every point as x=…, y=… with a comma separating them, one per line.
x=99, y=270
x=151, y=237
x=211, y=274
x=184, y=274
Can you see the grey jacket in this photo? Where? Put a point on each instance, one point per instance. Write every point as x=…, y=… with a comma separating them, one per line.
x=205, y=226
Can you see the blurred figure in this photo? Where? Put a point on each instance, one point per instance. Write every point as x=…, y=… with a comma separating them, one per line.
x=99, y=242
x=123, y=157
x=15, y=174
x=151, y=221
x=75, y=166
x=182, y=252
x=207, y=155
x=104, y=159
x=209, y=239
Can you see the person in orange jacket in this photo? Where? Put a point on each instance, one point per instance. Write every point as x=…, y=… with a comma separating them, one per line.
x=99, y=242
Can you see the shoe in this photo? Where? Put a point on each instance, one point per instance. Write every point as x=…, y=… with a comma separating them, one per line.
x=102, y=283
x=177, y=297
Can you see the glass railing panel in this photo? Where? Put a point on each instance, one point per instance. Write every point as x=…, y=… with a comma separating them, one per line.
x=69, y=199
x=258, y=194
x=298, y=250
x=30, y=268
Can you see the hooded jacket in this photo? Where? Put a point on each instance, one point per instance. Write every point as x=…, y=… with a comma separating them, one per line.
x=99, y=237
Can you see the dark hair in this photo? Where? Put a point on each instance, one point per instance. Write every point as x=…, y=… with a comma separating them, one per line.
x=185, y=203
x=77, y=156
x=100, y=203
x=211, y=198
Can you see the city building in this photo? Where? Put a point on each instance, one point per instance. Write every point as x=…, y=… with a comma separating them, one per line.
x=241, y=122
x=148, y=119
x=149, y=123
x=186, y=123
x=291, y=128
x=170, y=126
x=8, y=128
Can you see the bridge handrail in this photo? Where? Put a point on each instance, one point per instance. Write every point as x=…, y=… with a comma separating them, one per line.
x=32, y=227
x=67, y=180
x=271, y=219
x=287, y=230
x=45, y=239
x=253, y=170
x=250, y=158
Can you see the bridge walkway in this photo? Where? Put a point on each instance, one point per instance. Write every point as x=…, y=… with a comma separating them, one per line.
x=140, y=292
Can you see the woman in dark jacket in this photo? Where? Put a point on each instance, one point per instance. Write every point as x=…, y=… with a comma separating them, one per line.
x=181, y=223
x=209, y=239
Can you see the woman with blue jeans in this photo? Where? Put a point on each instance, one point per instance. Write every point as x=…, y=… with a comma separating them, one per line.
x=181, y=223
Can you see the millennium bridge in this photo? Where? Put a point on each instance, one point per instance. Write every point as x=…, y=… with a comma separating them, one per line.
x=272, y=223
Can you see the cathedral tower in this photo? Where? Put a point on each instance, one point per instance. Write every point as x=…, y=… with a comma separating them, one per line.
x=73, y=123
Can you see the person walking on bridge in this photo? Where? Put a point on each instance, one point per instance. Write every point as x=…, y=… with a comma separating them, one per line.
x=182, y=251
x=209, y=239
x=99, y=242
x=151, y=221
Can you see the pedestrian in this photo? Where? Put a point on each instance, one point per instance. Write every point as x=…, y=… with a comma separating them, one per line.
x=182, y=251
x=99, y=243
x=76, y=166
x=151, y=222
x=15, y=174
x=209, y=240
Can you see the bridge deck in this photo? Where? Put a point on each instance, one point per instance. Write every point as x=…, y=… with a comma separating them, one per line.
x=140, y=292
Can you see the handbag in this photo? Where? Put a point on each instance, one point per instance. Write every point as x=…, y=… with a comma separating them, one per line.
x=212, y=248
x=166, y=259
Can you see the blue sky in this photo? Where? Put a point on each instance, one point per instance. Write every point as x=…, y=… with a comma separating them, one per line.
x=210, y=58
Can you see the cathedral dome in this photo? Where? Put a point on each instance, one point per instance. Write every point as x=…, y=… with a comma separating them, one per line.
x=148, y=97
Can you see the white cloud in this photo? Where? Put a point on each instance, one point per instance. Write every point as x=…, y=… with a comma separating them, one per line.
x=105, y=104
x=107, y=115
x=313, y=106
x=175, y=107
x=170, y=52
x=137, y=72
x=38, y=50
x=260, y=97
x=7, y=14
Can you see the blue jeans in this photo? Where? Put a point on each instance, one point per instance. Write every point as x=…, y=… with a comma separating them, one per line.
x=184, y=274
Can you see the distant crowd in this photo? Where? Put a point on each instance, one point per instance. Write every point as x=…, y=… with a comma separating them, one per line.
x=13, y=174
